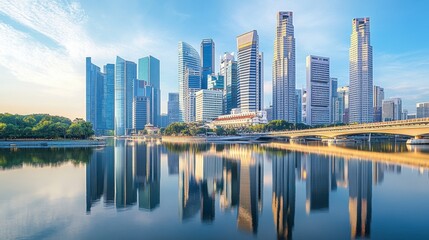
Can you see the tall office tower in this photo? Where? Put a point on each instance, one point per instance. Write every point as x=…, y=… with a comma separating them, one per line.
x=109, y=97
x=422, y=110
x=304, y=105
x=228, y=69
x=361, y=79
x=260, y=83
x=318, y=91
x=207, y=60
x=360, y=198
x=141, y=113
x=392, y=109
x=378, y=95
x=404, y=114
x=334, y=97
x=173, y=108
x=284, y=104
x=283, y=201
x=208, y=105
x=94, y=96
x=149, y=71
x=343, y=104
x=298, y=98
x=248, y=66
x=189, y=59
x=215, y=82
x=192, y=80
x=126, y=73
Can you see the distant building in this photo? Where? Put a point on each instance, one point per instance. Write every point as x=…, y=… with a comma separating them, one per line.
x=228, y=69
x=304, y=105
x=411, y=116
x=190, y=101
x=378, y=103
x=392, y=110
x=404, y=114
x=173, y=108
x=189, y=61
x=249, y=67
x=318, y=91
x=215, y=82
x=208, y=105
x=422, y=110
x=141, y=110
x=126, y=73
x=343, y=105
x=239, y=119
x=164, y=120
x=149, y=72
x=207, y=61
x=361, y=73
x=298, y=97
x=269, y=111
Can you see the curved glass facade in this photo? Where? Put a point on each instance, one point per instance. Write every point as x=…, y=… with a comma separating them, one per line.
x=188, y=59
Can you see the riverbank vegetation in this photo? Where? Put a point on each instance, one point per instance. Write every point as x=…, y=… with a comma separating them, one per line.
x=43, y=126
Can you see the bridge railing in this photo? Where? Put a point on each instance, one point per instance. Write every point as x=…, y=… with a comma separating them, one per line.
x=417, y=121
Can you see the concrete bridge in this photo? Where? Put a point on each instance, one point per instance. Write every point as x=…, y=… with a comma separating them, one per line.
x=416, y=128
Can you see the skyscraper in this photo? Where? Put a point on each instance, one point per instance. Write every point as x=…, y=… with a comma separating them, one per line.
x=361, y=73
x=318, y=91
x=173, y=108
x=100, y=96
x=378, y=102
x=94, y=95
x=334, y=97
x=215, y=82
x=149, y=71
x=422, y=110
x=208, y=104
x=126, y=73
x=207, y=60
x=249, y=98
x=189, y=60
x=284, y=103
x=298, y=106
x=343, y=104
x=228, y=69
x=392, y=109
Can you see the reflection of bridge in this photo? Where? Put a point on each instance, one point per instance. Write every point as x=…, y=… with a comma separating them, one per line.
x=415, y=128
x=413, y=159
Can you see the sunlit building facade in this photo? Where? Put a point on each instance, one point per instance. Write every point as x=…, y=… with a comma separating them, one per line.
x=228, y=69
x=207, y=60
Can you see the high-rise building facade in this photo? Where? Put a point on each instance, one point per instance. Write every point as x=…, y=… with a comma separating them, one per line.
x=173, y=108
x=126, y=73
x=215, y=82
x=361, y=73
x=189, y=62
x=141, y=116
x=228, y=69
x=208, y=105
x=422, y=110
x=392, y=109
x=378, y=96
x=149, y=72
x=342, y=108
x=284, y=104
x=207, y=60
x=94, y=96
x=248, y=68
x=334, y=97
x=298, y=97
x=109, y=97
x=318, y=91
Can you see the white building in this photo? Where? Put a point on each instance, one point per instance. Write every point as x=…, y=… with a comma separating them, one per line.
x=318, y=91
x=361, y=73
x=392, y=110
x=284, y=80
x=190, y=103
x=248, y=68
x=208, y=104
x=378, y=96
x=239, y=119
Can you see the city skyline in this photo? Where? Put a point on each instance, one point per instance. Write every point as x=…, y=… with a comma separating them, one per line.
x=66, y=36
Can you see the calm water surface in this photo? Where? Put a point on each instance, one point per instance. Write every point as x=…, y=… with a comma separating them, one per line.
x=134, y=190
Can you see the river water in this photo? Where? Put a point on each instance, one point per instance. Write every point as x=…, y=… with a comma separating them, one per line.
x=136, y=190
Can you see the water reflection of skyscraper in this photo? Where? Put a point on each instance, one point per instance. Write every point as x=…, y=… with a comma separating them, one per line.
x=283, y=202
x=317, y=183
x=136, y=168
x=360, y=197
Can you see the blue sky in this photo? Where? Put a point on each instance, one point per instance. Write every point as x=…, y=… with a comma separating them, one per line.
x=43, y=44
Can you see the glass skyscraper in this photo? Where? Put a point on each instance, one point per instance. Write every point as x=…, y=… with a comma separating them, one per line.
x=149, y=71
x=228, y=69
x=189, y=67
x=109, y=96
x=207, y=60
x=126, y=73
x=173, y=108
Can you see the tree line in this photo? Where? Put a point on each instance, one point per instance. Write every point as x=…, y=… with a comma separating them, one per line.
x=197, y=129
x=43, y=126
